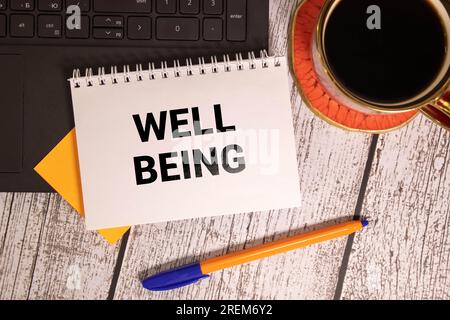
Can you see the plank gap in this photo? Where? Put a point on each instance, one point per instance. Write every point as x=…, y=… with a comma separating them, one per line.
x=118, y=266
x=357, y=216
x=33, y=266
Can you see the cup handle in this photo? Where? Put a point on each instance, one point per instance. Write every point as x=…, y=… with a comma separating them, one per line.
x=443, y=104
x=439, y=112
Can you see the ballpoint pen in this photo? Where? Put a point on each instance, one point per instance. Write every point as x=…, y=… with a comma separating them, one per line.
x=192, y=273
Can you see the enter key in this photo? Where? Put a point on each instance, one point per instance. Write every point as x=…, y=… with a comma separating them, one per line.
x=236, y=20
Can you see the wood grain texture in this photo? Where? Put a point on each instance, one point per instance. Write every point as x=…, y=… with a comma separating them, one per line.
x=20, y=236
x=405, y=252
x=3, y=202
x=46, y=253
x=330, y=182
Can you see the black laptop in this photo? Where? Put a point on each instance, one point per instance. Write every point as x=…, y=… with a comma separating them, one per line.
x=39, y=48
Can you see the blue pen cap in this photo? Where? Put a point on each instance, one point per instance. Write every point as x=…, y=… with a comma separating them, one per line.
x=175, y=278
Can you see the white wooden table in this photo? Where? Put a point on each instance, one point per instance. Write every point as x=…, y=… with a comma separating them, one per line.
x=400, y=180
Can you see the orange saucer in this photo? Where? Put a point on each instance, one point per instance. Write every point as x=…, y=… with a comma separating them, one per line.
x=314, y=94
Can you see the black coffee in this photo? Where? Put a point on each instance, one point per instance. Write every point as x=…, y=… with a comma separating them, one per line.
x=391, y=64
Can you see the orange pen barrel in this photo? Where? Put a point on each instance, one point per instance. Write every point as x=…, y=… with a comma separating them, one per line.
x=283, y=245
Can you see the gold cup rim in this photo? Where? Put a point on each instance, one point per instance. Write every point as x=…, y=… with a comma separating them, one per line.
x=291, y=49
x=319, y=38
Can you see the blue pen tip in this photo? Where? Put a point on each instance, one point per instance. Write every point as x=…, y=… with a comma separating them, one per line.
x=175, y=278
x=365, y=223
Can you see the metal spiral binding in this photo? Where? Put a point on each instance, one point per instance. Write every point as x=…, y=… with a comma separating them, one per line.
x=239, y=61
x=202, y=64
x=189, y=67
x=88, y=75
x=152, y=73
x=264, y=59
x=139, y=71
x=177, y=67
x=114, y=75
x=163, y=69
x=126, y=73
x=101, y=76
x=215, y=64
x=227, y=62
x=76, y=75
x=252, y=60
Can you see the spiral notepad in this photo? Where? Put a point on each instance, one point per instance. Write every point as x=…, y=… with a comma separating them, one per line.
x=186, y=141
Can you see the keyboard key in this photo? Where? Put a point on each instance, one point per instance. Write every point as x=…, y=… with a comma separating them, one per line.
x=166, y=6
x=82, y=33
x=2, y=25
x=2, y=4
x=49, y=26
x=108, y=33
x=189, y=6
x=236, y=20
x=212, y=29
x=22, y=26
x=108, y=21
x=139, y=28
x=213, y=6
x=177, y=29
x=50, y=5
x=85, y=5
x=22, y=5
x=128, y=6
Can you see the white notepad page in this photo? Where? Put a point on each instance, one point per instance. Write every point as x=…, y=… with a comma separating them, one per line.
x=252, y=166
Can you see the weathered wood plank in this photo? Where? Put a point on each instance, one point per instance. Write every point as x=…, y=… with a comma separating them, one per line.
x=47, y=254
x=20, y=239
x=279, y=19
x=3, y=203
x=405, y=252
x=330, y=181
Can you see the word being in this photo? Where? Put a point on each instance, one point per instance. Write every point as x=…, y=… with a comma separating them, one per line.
x=179, y=165
x=146, y=174
x=374, y=21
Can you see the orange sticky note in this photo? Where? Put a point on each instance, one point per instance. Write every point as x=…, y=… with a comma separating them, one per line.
x=61, y=170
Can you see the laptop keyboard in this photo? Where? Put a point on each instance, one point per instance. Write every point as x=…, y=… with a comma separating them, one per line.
x=124, y=20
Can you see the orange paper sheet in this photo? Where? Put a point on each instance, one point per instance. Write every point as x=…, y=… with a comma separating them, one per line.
x=61, y=170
